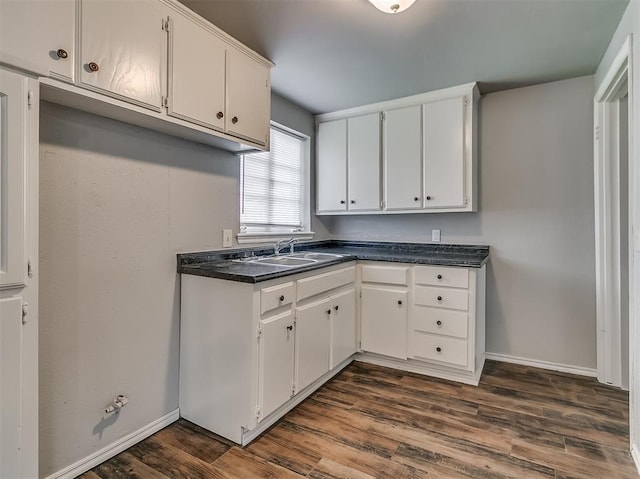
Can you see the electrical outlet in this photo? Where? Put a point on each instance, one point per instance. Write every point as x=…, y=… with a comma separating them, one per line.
x=227, y=238
x=435, y=236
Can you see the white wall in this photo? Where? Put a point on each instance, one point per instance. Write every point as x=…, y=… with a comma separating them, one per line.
x=630, y=24
x=536, y=212
x=117, y=203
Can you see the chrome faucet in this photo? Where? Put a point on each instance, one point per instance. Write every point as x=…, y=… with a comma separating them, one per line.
x=283, y=243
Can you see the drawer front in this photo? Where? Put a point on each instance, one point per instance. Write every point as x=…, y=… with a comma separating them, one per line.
x=442, y=276
x=452, y=351
x=441, y=321
x=442, y=298
x=385, y=274
x=308, y=287
x=276, y=296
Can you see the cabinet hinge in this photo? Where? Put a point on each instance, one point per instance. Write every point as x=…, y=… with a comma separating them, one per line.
x=165, y=24
x=597, y=132
x=29, y=269
x=258, y=412
x=383, y=204
x=165, y=102
x=29, y=98
x=360, y=294
x=25, y=311
x=293, y=389
x=382, y=116
x=259, y=334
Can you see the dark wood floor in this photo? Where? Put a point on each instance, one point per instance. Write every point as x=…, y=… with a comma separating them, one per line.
x=373, y=422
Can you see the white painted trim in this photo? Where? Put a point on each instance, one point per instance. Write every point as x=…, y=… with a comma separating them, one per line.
x=635, y=455
x=266, y=237
x=536, y=363
x=613, y=74
x=98, y=457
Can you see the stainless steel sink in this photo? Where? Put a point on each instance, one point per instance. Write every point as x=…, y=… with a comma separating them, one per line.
x=285, y=261
x=316, y=256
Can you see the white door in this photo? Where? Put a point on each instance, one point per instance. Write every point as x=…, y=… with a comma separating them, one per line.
x=403, y=158
x=10, y=386
x=313, y=342
x=196, y=80
x=39, y=36
x=383, y=320
x=331, y=183
x=364, y=162
x=248, y=98
x=343, y=326
x=444, y=123
x=275, y=380
x=121, y=48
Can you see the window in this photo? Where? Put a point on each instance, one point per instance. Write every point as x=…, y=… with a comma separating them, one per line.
x=274, y=188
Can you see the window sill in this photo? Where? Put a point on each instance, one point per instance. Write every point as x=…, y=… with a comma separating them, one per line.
x=270, y=237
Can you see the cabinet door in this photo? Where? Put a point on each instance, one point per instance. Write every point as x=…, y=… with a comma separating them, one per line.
x=39, y=36
x=364, y=162
x=313, y=342
x=343, y=326
x=196, y=81
x=248, y=98
x=122, y=45
x=275, y=381
x=331, y=184
x=443, y=148
x=14, y=90
x=383, y=320
x=403, y=158
x=10, y=386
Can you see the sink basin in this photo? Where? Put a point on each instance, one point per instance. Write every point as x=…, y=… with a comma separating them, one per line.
x=286, y=261
x=315, y=256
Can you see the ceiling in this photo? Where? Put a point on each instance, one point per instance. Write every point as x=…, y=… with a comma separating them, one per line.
x=336, y=54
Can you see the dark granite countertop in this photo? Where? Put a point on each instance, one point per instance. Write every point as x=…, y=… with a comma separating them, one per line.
x=224, y=264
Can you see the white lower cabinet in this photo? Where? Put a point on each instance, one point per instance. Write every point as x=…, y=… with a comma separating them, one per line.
x=250, y=352
x=384, y=321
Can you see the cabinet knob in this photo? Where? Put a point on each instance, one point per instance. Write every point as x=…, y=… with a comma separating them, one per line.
x=352, y=202
x=62, y=53
x=281, y=298
x=290, y=327
x=439, y=276
x=93, y=66
x=439, y=349
x=219, y=115
x=439, y=323
x=336, y=308
x=415, y=198
x=399, y=303
x=342, y=202
x=439, y=298
x=328, y=311
x=428, y=198
x=234, y=120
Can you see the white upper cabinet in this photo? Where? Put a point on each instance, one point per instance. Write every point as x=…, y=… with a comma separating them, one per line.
x=196, y=74
x=39, y=36
x=331, y=184
x=248, y=98
x=364, y=162
x=402, y=158
x=444, y=153
x=428, y=145
x=121, y=49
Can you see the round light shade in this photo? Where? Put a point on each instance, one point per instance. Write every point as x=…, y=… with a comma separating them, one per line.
x=392, y=6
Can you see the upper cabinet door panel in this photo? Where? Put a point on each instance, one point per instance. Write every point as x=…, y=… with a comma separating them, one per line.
x=364, y=162
x=196, y=74
x=444, y=175
x=403, y=158
x=248, y=97
x=39, y=36
x=122, y=44
x=331, y=183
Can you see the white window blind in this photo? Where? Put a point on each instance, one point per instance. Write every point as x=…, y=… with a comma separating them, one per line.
x=272, y=185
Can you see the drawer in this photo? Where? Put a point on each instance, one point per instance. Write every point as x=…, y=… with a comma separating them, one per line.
x=441, y=321
x=275, y=296
x=442, y=297
x=320, y=283
x=385, y=274
x=442, y=276
x=439, y=348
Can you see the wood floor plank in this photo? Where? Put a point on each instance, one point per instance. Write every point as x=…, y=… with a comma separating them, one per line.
x=197, y=445
x=328, y=469
x=241, y=464
x=126, y=466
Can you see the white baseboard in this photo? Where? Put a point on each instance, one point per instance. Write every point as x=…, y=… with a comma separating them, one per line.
x=635, y=454
x=563, y=368
x=98, y=457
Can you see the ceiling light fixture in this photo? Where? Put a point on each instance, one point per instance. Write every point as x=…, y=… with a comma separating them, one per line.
x=392, y=6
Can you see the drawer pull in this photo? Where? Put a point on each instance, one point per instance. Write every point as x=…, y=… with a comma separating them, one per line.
x=290, y=327
x=439, y=276
x=439, y=298
x=336, y=308
x=93, y=67
x=281, y=298
x=399, y=303
x=428, y=198
x=328, y=311
x=439, y=323
x=219, y=115
x=234, y=120
x=62, y=53
x=439, y=349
